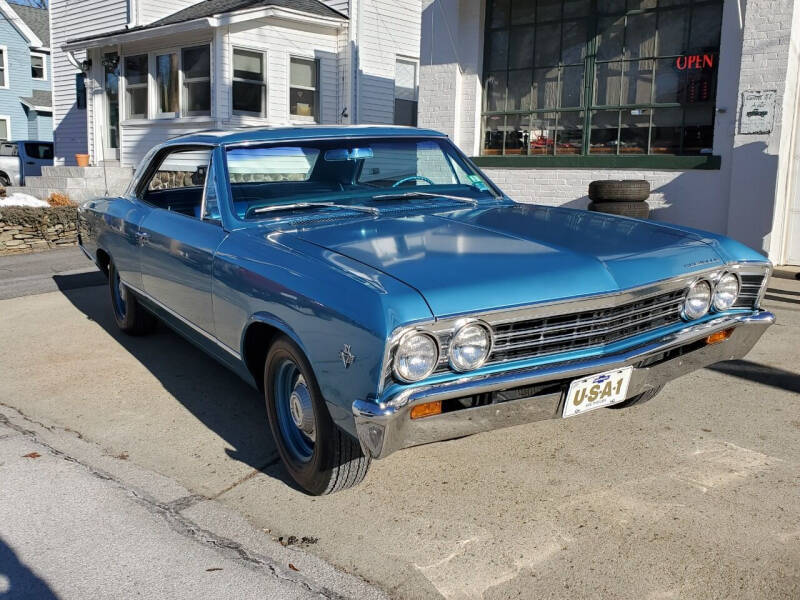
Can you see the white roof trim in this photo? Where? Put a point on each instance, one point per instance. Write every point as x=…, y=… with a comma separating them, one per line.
x=36, y=108
x=20, y=25
x=215, y=21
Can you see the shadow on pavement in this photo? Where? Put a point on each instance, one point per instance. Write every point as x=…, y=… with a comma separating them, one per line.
x=17, y=581
x=744, y=369
x=79, y=280
x=217, y=397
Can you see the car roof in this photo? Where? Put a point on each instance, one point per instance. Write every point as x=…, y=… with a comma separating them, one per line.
x=313, y=132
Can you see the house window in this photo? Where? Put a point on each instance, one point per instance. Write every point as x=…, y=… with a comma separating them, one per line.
x=600, y=76
x=249, y=83
x=136, y=82
x=405, y=93
x=5, y=129
x=168, y=103
x=38, y=67
x=196, y=66
x=3, y=67
x=304, y=89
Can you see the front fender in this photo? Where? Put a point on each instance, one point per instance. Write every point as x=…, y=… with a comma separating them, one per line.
x=322, y=301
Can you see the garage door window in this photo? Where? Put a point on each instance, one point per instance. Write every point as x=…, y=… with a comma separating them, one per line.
x=613, y=77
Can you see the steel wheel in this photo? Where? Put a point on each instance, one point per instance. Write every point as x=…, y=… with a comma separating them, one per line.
x=295, y=411
x=128, y=313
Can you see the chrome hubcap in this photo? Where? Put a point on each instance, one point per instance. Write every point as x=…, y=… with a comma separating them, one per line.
x=302, y=410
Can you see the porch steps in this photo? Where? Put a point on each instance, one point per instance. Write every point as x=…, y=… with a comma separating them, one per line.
x=79, y=183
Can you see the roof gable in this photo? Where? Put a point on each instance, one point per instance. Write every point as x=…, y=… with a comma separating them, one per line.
x=209, y=8
x=32, y=23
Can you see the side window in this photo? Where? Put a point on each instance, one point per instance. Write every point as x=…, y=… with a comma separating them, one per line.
x=179, y=181
x=211, y=201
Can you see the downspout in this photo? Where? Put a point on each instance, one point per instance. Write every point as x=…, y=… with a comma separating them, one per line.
x=357, y=65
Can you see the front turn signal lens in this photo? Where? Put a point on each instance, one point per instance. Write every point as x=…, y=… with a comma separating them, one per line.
x=426, y=410
x=720, y=336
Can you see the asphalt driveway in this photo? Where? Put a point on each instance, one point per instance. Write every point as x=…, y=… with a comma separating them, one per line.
x=694, y=495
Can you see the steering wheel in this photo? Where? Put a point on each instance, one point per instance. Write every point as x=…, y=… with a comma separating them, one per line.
x=413, y=178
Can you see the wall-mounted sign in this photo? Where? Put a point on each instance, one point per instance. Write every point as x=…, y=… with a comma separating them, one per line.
x=694, y=62
x=758, y=111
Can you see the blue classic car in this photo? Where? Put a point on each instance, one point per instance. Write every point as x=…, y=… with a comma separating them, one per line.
x=382, y=292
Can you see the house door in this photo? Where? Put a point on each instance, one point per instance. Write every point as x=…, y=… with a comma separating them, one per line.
x=110, y=130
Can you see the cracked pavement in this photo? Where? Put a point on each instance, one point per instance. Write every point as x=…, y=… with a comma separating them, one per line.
x=693, y=495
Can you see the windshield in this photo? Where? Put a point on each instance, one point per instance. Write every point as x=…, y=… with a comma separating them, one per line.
x=349, y=172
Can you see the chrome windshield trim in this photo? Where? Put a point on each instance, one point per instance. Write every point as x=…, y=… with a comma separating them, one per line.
x=186, y=322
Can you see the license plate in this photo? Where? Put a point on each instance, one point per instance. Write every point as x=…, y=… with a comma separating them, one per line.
x=597, y=391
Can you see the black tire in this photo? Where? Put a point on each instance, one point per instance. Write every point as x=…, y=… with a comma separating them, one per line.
x=612, y=190
x=336, y=462
x=131, y=317
x=4, y=180
x=637, y=210
x=640, y=399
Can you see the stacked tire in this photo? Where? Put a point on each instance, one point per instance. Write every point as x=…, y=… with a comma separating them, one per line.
x=620, y=197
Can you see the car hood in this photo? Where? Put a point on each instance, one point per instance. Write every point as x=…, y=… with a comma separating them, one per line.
x=471, y=260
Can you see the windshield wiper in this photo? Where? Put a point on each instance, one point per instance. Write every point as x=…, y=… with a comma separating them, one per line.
x=309, y=205
x=404, y=195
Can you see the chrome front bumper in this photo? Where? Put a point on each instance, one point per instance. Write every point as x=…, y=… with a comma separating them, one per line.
x=386, y=427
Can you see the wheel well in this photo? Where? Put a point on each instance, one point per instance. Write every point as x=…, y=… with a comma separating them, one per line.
x=103, y=260
x=257, y=340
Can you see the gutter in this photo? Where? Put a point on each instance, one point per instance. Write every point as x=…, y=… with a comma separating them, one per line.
x=143, y=33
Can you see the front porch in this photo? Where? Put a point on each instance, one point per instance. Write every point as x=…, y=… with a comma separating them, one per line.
x=260, y=67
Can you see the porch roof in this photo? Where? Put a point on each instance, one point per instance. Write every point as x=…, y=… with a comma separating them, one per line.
x=207, y=11
x=40, y=101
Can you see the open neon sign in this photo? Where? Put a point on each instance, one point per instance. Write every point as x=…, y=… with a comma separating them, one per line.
x=694, y=62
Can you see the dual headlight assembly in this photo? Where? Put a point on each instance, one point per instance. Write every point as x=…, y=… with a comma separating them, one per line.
x=703, y=295
x=417, y=354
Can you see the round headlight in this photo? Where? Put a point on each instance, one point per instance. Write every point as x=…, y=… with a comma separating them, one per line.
x=416, y=356
x=698, y=300
x=726, y=292
x=470, y=347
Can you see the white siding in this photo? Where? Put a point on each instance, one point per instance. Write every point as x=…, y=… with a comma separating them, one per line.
x=280, y=43
x=383, y=30
x=153, y=10
x=69, y=20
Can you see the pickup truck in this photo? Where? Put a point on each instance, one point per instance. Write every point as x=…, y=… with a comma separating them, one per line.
x=22, y=159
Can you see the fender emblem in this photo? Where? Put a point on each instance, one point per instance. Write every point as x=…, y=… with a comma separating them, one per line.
x=347, y=356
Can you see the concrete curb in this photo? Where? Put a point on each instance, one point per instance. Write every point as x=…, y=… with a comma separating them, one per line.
x=200, y=519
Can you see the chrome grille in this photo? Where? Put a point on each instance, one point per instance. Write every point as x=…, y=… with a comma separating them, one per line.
x=587, y=329
x=750, y=290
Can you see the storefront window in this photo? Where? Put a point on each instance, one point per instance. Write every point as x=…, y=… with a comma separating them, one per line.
x=600, y=76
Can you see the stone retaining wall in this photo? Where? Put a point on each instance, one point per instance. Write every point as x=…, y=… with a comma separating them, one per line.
x=24, y=229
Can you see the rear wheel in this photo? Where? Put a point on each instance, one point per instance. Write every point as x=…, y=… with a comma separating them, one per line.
x=129, y=314
x=640, y=399
x=319, y=456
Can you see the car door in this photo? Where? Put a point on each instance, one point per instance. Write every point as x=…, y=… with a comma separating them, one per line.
x=177, y=241
x=35, y=156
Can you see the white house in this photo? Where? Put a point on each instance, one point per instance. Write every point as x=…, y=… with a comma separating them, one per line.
x=700, y=97
x=129, y=74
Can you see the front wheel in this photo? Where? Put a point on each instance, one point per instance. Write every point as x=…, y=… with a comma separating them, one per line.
x=319, y=456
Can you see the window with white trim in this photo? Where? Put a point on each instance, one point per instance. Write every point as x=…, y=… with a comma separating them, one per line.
x=3, y=67
x=405, y=92
x=249, y=83
x=5, y=129
x=38, y=67
x=167, y=96
x=196, y=71
x=136, y=86
x=304, y=89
